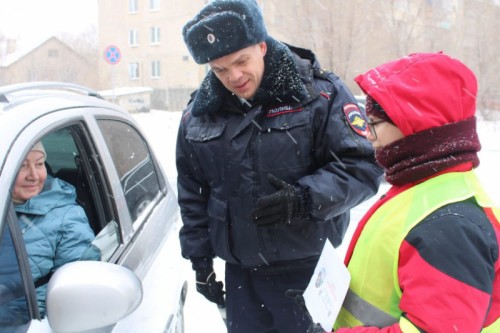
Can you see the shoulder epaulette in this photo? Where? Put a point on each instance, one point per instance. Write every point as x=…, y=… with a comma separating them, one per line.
x=324, y=74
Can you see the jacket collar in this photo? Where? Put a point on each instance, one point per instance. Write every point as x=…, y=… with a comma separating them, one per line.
x=281, y=82
x=55, y=193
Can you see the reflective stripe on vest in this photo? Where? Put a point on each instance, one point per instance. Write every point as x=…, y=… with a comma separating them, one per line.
x=493, y=328
x=374, y=293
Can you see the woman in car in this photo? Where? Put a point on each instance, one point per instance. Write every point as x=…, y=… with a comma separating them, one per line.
x=55, y=228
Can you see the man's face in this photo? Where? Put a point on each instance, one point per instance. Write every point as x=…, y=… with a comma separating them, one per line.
x=31, y=177
x=241, y=72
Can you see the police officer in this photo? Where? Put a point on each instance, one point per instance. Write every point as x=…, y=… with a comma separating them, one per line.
x=271, y=156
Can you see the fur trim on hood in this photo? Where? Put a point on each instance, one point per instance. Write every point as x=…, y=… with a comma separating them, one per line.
x=281, y=83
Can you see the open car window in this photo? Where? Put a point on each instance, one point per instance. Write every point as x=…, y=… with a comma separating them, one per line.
x=72, y=158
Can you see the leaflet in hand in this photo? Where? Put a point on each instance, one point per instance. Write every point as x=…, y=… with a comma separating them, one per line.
x=327, y=289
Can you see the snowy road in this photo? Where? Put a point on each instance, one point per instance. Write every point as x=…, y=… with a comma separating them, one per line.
x=161, y=131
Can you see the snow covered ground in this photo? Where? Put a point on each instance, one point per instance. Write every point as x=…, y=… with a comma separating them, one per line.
x=160, y=128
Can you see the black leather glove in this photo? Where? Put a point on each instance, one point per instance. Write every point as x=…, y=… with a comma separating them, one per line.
x=282, y=206
x=297, y=296
x=206, y=284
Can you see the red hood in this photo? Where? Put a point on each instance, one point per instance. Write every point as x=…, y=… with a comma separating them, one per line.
x=430, y=85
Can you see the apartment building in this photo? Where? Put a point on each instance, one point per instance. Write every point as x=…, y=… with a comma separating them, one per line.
x=348, y=37
x=152, y=53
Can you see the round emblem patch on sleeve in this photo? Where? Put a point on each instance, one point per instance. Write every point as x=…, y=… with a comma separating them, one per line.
x=356, y=119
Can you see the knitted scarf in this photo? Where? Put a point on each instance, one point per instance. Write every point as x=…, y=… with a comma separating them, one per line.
x=425, y=153
x=281, y=83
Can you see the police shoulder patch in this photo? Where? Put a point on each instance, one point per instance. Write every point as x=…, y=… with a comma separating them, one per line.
x=355, y=119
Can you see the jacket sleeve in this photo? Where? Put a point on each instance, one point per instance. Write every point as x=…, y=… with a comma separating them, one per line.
x=447, y=266
x=76, y=236
x=349, y=172
x=193, y=194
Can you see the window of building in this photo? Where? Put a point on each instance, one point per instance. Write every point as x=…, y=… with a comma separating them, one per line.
x=155, y=35
x=31, y=75
x=133, y=37
x=154, y=4
x=448, y=5
x=53, y=53
x=133, y=71
x=132, y=6
x=402, y=5
x=155, y=69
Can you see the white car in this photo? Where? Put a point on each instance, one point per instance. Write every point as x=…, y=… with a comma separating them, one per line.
x=140, y=283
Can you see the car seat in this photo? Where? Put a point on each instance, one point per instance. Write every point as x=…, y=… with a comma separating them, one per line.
x=77, y=178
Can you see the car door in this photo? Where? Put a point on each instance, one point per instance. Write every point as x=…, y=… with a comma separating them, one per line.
x=130, y=207
x=17, y=292
x=137, y=227
x=73, y=157
x=154, y=253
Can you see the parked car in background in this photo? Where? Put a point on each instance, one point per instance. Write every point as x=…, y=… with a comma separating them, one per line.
x=140, y=284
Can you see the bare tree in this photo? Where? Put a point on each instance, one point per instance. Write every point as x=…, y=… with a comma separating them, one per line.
x=85, y=44
x=350, y=37
x=481, y=53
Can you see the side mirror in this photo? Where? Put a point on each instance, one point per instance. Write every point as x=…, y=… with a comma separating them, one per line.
x=86, y=295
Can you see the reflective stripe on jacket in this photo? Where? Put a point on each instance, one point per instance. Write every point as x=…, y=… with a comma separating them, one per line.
x=375, y=293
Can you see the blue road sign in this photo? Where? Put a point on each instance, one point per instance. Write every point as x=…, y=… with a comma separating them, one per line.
x=112, y=54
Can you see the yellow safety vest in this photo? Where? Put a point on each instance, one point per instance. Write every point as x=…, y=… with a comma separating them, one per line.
x=374, y=294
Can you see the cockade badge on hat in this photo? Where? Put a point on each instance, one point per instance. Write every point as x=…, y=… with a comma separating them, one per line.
x=211, y=38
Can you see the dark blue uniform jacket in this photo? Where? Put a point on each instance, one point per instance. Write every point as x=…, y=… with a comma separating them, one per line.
x=304, y=127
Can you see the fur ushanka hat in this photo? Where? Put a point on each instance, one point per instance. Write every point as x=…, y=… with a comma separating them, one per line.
x=223, y=27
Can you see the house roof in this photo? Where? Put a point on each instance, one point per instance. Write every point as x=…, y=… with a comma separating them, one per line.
x=11, y=58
